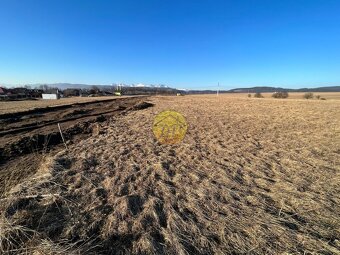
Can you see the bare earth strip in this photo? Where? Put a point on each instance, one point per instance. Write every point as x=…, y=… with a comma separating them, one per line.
x=24, y=105
x=257, y=176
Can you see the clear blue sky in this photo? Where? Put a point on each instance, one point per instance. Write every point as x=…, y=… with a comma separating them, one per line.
x=185, y=44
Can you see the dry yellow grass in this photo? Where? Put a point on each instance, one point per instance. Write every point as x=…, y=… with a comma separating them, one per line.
x=292, y=95
x=299, y=95
x=252, y=176
x=15, y=106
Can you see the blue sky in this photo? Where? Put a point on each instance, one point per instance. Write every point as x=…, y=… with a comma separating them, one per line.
x=185, y=44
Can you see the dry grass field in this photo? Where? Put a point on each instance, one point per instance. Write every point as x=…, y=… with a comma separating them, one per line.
x=292, y=95
x=15, y=106
x=252, y=176
x=299, y=95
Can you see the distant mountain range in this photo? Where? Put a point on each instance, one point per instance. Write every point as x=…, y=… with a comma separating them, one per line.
x=237, y=90
x=161, y=87
x=88, y=86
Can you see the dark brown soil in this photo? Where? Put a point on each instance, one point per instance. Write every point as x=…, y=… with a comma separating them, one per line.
x=24, y=135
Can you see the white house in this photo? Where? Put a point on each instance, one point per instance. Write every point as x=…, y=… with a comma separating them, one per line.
x=51, y=94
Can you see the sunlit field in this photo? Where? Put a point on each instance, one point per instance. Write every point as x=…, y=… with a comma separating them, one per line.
x=14, y=106
x=257, y=176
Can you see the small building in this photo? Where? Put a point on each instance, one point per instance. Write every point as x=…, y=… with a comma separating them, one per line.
x=51, y=94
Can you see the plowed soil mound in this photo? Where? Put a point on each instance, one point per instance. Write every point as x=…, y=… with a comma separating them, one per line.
x=27, y=136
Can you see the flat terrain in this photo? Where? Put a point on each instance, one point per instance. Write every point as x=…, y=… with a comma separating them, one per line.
x=15, y=106
x=299, y=95
x=292, y=95
x=252, y=176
